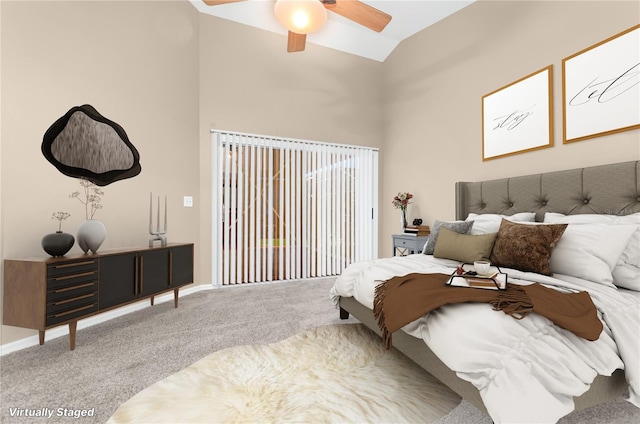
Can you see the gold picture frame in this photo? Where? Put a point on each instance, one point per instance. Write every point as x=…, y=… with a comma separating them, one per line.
x=601, y=88
x=518, y=118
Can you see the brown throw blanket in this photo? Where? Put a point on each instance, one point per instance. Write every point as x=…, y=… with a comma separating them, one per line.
x=404, y=299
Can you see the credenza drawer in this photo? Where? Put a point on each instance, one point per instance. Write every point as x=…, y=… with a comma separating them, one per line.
x=66, y=268
x=69, y=303
x=71, y=291
x=76, y=312
x=72, y=279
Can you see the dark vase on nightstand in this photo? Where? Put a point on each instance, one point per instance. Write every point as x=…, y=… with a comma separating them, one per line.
x=58, y=243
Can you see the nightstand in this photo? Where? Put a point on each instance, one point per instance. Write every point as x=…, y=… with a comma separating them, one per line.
x=407, y=244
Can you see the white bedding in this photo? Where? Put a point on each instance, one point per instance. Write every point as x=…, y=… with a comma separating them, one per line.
x=525, y=370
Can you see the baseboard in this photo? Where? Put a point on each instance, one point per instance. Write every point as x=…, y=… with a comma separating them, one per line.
x=63, y=330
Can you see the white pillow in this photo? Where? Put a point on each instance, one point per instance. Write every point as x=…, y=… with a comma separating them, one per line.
x=626, y=273
x=490, y=222
x=590, y=251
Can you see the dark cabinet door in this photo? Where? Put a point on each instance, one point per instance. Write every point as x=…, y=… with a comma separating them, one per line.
x=129, y=276
x=181, y=265
x=154, y=275
x=117, y=280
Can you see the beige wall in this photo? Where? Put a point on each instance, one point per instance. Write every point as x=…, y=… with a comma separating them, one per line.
x=137, y=64
x=250, y=84
x=434, y=83
x=169, y=75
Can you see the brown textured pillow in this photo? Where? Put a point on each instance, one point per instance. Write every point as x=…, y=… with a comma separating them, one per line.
x=463, y=247
x=526, y=247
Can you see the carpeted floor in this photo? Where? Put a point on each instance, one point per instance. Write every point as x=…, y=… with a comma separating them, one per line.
x=117, y=359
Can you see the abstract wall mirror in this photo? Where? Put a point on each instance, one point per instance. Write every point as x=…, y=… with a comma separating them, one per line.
x=85, y=144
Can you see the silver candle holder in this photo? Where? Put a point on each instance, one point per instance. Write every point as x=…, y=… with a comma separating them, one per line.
x=157, y=234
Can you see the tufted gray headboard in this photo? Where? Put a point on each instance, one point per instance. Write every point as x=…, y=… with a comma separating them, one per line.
x=606, y=189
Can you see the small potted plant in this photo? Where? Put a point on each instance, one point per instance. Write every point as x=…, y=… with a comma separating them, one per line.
x=58, y=243
x=91, y=200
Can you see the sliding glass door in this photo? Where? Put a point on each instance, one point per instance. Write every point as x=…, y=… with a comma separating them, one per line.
x=290, y=209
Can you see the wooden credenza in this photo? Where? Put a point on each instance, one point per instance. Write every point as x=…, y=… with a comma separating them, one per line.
x=42, y=293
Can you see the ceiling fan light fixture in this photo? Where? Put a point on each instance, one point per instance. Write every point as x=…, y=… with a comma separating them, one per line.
x=301, y=16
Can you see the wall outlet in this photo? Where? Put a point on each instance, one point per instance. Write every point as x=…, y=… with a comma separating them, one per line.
x=188, y=201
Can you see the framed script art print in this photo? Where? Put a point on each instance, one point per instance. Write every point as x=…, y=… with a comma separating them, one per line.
x=601, y=88
x=519, y=117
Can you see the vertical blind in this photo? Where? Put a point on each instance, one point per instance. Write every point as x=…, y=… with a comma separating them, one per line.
x=290, y=209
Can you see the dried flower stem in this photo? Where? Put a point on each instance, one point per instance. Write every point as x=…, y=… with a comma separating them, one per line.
x=91, y=200
x=60, y=216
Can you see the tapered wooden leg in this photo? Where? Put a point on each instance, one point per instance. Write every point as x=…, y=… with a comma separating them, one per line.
x=151, y=300
x=72, y=334
x=41, y=336
x=175, y=298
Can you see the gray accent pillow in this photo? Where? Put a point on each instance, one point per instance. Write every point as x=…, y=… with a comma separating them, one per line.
x=460, y=227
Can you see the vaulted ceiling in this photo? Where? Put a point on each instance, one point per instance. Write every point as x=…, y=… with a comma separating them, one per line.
x=408, y=18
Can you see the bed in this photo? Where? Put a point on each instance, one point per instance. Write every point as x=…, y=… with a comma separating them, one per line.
x=503, y=367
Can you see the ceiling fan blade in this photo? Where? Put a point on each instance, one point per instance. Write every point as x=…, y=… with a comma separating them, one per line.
x=361, y=13
x=217, y=2
x=296, y=42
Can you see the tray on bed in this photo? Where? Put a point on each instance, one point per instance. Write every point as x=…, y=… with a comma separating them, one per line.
x=494, y=280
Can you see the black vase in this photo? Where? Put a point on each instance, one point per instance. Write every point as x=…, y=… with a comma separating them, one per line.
x=58, y=243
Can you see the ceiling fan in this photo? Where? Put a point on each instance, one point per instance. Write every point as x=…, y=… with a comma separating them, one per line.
x=354, y=10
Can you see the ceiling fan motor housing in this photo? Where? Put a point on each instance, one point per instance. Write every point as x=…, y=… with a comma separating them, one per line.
x=298, y=25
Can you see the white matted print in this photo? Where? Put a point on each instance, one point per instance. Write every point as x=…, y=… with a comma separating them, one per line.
x=601, y=88
x=519, y=117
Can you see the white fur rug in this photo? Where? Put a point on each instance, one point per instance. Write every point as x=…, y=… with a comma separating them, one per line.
x=335, y=373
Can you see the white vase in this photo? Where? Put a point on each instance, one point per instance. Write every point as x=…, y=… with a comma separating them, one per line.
x=91, y=234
